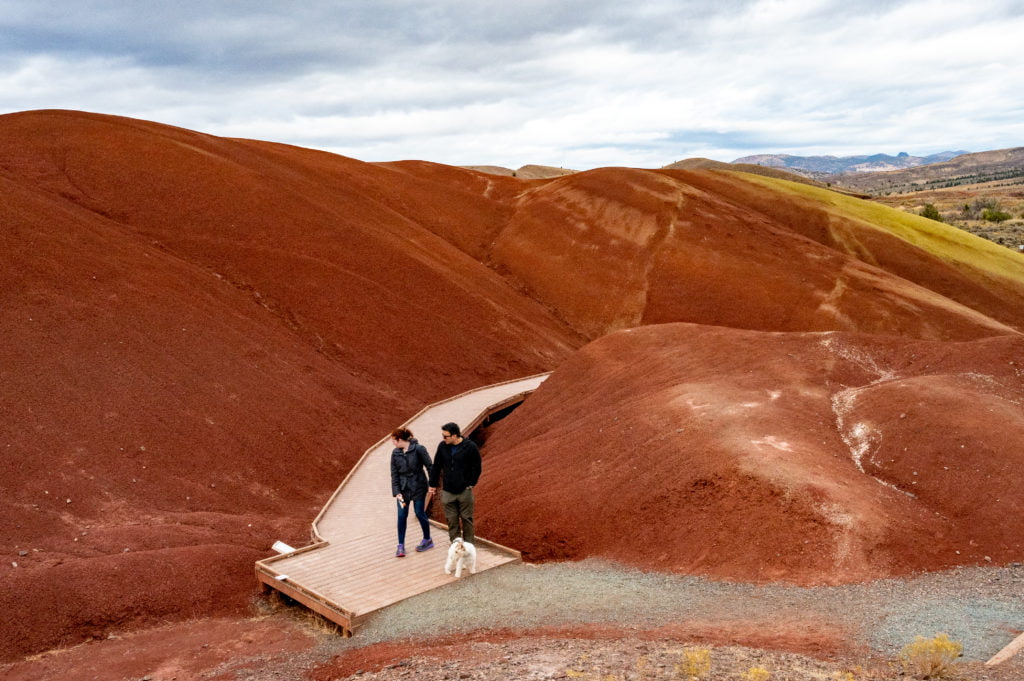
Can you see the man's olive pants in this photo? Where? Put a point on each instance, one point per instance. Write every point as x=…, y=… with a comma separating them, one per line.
x=459, y=507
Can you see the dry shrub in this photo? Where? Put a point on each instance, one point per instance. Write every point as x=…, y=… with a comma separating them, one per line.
x=756, y=674
x=267, y=603
x=930, y=658
x=694, y=663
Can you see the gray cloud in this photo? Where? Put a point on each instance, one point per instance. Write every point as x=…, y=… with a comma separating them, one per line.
x=577, y=83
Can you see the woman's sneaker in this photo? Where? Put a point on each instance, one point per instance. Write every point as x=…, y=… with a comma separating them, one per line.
x=425, y=544
x=400, y=551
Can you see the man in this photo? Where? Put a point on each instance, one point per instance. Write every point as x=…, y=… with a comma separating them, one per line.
x=457, y=461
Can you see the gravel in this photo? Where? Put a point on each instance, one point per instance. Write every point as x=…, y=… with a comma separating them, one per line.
x=980, y=607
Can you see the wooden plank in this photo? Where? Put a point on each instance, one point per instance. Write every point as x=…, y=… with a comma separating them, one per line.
x=493, y=409
x=316, y=606
x=383, y=441
x=1006, y=653
x=405, y=576
x=351, y=560
x=313, y=601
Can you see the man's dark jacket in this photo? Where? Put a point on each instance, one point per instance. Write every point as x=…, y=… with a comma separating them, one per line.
x=459, y=465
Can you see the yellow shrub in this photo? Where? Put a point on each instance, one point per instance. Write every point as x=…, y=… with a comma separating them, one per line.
x=930, y=658
x=843, y=676
x=694, y=663
x=756, y=674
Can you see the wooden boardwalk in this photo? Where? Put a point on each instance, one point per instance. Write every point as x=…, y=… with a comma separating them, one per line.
x=350, y=571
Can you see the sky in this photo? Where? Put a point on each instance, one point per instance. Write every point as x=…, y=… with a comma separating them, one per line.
x=576, y=84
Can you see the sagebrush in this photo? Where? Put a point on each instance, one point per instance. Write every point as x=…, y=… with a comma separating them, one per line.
x=694, y=663
x=930, y=658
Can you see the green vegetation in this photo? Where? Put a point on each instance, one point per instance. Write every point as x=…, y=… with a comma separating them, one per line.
x=976, y=209
x=931, y=212
x=995, y=215
x=967, y=214
x=945, y=182
x=987, y=209
x=949, y=243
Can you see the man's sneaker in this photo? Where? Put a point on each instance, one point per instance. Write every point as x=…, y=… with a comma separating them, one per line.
x=425, y=544
x=400, y=551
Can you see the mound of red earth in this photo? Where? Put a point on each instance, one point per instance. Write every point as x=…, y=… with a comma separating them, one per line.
x=804, y=457
x=201, y=335
x=615, y=248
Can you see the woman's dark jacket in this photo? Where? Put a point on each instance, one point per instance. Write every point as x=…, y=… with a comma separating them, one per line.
x=407, y=471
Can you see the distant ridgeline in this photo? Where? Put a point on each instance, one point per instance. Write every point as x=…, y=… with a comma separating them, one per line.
x=820, y=167
x=882, y=174
x=1012, y=177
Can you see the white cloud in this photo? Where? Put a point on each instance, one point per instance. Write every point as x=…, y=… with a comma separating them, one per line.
x=578, y=84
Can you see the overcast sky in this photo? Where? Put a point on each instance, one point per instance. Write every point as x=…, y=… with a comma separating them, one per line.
x=577, y=83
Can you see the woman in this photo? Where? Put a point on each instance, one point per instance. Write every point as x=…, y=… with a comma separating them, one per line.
x=409, y=461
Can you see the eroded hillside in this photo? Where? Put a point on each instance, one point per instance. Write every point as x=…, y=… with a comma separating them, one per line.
x=754, y=456
x=201, y=335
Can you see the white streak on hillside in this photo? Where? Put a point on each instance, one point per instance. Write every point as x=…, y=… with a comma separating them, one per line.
x=861, y=437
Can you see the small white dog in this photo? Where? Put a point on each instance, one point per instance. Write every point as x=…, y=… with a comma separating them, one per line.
x=460, y=554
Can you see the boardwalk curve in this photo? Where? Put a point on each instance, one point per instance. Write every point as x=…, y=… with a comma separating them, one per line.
x=349, y=571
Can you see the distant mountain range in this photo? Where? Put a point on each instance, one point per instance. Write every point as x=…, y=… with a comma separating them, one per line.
x=819, y=166
x=1000, y=165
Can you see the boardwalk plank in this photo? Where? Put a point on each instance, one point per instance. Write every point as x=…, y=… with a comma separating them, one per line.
x=354, y=567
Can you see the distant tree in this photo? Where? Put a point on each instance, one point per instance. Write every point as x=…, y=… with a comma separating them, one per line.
x=995, y=215
x=977, y=208
x=931, y=212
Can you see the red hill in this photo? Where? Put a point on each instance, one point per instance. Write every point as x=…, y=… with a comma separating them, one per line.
x=805, y=457
x=201, y=335
x=615, y=248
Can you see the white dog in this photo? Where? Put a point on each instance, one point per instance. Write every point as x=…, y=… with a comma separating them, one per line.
x=460, y=554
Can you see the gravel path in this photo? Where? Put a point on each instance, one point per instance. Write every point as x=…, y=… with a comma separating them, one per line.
x=982, y=608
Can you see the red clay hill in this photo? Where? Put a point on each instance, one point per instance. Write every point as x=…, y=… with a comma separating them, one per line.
x=746, y=455
x=615, y=248
x=201, y=335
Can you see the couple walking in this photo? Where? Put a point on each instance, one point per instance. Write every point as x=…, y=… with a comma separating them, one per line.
x=456, y=462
